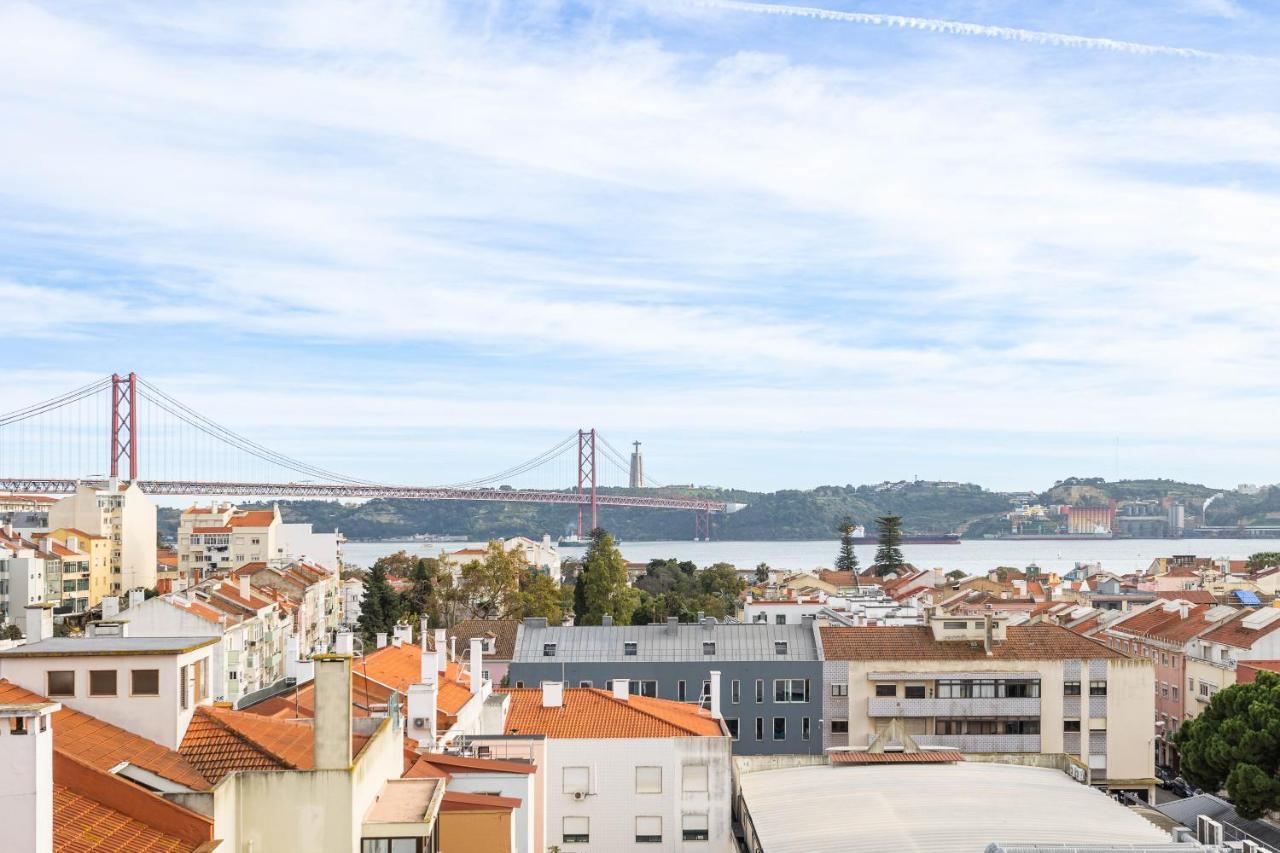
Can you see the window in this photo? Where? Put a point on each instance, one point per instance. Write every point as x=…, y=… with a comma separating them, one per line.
x=954, y=626
x=735, y=691
x=548, y=650
x=886, y=690
x=787, y=690
x=18, y=725
x=1071, y=725
x=780, y=619
x=841, y=689
x=630, y=649
x=1097, y=688
x=644, y=688
x=731, y=723
x=575, y=780
x=680, y=690
x=183, y=694
x=705, y=695
x=1018, y=689
x=694, y=827
x=980, y=727
x=1164, y=689
x=780, y=647
x=695, y=778
x=709, y=648
x=519, y=685
x=648, y=829
x=62, y=682
x=648, y=780
x=1174, y=688
x=200, y=670
x=584, y=684
x=779, y=728
x=145, y=682
x=575, y=830
x=759, y=690
x=1070, y=688
x=102, y=682
x=913, y=691
x=948, y=727
x=759, y=728
x=390, y=845
x=804, y=728
x=839, y=727
x=1020, y=727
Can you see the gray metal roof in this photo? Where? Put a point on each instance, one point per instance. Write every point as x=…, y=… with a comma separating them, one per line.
x=74, y=646
x=1186, y=811
x=663, y=642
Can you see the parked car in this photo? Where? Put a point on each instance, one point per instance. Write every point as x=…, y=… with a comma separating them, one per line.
x=1182, y=788
x=1165, y=774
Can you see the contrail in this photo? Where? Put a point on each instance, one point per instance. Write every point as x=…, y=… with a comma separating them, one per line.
x=964, y=29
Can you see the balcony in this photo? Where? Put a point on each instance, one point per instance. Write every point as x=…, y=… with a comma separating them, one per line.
x=983, y=743
x=986, y=707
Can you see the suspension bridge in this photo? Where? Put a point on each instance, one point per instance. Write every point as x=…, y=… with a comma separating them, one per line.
x=107, y=429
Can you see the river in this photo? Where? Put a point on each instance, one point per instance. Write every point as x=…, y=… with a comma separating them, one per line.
x=971, y=557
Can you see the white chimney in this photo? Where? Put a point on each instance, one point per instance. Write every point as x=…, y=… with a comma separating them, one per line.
x=403, y=633
x=422, y=711
x=344, y=643
x=442, y=651
x=621, y=689
x=244, y=586
x=291, y=657
x=381, y=637
x=715, y=694
x=424, y=630
x=136, y=597
x=26, y=786
x=110, y=607
x=39, y=622
x=476, y=663
x=552, y=694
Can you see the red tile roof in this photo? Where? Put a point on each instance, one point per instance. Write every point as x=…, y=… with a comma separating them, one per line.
x=103, y=745
x=932, y=756
x=211, y=530
x=220, y=741
x=1156, y=623
x=916, y=642
x=458, y=801
x=438, y=764
x=253, y=518
x=590, y=713
x=503, y=632
x=1247, y=670
x=1195, y=596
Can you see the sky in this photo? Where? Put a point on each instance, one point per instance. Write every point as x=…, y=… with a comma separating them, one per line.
x=783, y=246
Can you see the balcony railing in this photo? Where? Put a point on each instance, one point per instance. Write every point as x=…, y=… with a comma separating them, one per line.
x=983, y=743
x=986, y=707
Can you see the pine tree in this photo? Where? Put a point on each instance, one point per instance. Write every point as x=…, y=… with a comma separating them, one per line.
x=380, y=606
x=847, y=560
x=602, y=584
x=762, y=573
x=419, y=599
x=889, y=558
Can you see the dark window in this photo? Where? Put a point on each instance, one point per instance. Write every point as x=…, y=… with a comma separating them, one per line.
x=759, y=728
x=629, y=649
x=708, y=648
x=840, y=689
x=644, y=688
x=1071, y=725
x=62, y=682
x=948, y=727
x=145, y=682
x=584, y=684
x=1019, y=689
x=1070, y=688
x=791, y=690
x=735, y=691
x=804, y=728
x=759, y=690
x=731, y=723
x=913, y=691
x=1097, y=688
x=1021, y=727
x=839, y=727
x=780, y=647
x=886, y=690
x=780, y=619
x=519, y=685
x=102, y=682
x=680, y=691
x=182, y=686
x=981, y=727
x=779, y=728
x=548, y=650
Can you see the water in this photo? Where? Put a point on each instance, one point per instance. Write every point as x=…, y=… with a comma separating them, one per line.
x=976, y=557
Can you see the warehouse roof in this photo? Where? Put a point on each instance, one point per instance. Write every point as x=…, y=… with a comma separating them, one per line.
x=665, y=642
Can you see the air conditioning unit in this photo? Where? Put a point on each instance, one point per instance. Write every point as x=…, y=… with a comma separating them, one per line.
x=1251, y=847
x=419, y=722
x=579, y=795
x=1208, y=831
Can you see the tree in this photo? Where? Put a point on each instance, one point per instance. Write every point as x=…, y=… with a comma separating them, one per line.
x=1235, y=742
x=400, y=564
x=419, y=600
x=380, y=606
x=956, y=575
x=762, y=573
x=541, y=596
x=492, y=585
x=1262, y=560
x=602, y=588
x=847, y=560
x=11, y=632
x=889, y=550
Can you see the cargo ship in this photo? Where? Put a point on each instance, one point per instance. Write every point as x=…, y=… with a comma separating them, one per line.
x=860, y=537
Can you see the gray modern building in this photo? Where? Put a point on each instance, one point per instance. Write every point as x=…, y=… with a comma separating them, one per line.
x=770, y=675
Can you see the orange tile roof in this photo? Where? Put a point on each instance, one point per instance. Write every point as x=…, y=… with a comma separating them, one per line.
x=458, y=801
x=400, y=666
x=103, y=745
x=220, y=741
x=443, y=764
x=1195, y=596
x=591, y=713
x=166, y=558
x=916, y=642
x=1156, y=623
x=932, y=756
x=82, y=825
x=211, y=530
x=253, y=518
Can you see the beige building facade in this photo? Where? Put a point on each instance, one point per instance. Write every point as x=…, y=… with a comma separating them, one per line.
x=126, y=518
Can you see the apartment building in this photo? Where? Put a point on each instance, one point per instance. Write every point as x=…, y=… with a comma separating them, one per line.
x=539, y=555
x=981, y=686
x=150, y=685
x=21, y=576
x=126, y=518
x=621, y=771
x=97, y=551
x=221, y=537
x=313, y=593
x=1166, y=632
x=771, y=683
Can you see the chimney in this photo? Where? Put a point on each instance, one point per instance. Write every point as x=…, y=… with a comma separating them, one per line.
x=621, y=689
x=26, y=788
x=702, y=616
x=986, y=634
x=552, y=694
x=39, y=622
x=332, y=724
x=291, y=656
x=715, y=695
x=476, y=663
x=606, y=621
x=453, y=647
x=110, y=607
x=673, y=624
x=136, y=597
x=381, y=637
x=422, y=708
x=442, y=651
x=403, y=633
x=424, y=631
x=344, y=643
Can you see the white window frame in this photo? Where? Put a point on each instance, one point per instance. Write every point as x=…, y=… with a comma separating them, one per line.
x=648, y=779
x=575, y=779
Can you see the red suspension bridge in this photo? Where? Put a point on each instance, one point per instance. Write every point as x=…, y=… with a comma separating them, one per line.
x=51, y=446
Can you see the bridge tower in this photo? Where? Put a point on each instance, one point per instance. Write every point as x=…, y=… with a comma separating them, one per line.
x=124, y=423
x=637, y=468
x=587, y=476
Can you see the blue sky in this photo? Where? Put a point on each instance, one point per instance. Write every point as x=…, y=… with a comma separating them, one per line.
x=781, y=246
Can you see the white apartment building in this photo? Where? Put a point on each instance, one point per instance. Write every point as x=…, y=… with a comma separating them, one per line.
x=149, y=685
x=314, y=593
x=300, y=542
x=125, y=516
x=221, y=538
x=352, y=595
x=22, y=580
